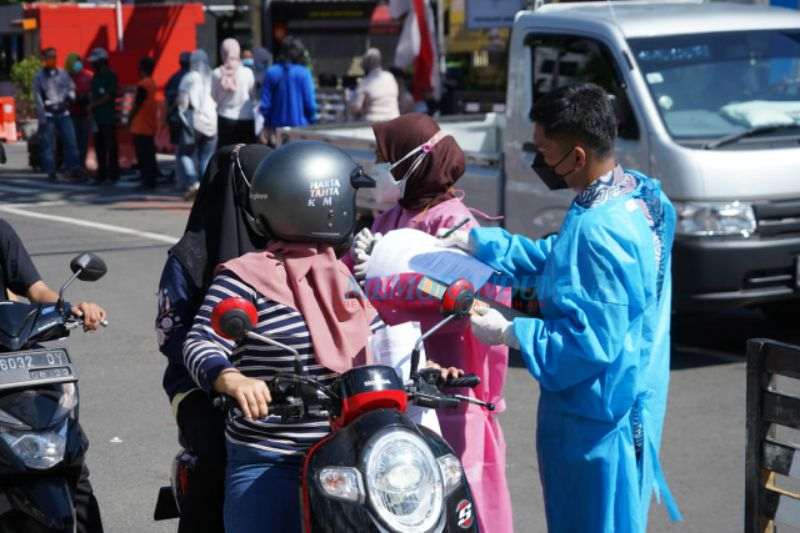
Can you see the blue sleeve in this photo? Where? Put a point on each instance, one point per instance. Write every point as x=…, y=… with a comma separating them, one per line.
x=266, y=99
x=309, y=97
x=205, y=353
x=175, y=310
x=510, y=254
x=588, y=322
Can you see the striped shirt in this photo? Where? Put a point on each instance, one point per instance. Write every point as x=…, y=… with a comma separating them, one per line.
x=206, y=354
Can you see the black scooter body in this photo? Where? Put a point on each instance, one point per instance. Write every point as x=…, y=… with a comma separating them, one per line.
x=37, y=499
x=39, y=398
x=345, y=448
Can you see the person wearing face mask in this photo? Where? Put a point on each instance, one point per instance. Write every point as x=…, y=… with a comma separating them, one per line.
x=103, y=108
x=53, y=92
x=247, y=59
x=418, y=167
x=601, y=349
x=79, y=109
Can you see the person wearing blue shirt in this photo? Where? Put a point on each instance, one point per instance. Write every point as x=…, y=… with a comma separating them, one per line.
x=601, y=348
x=288, y=97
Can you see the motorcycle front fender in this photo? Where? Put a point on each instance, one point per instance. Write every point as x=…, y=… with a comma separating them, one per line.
x=47, y=501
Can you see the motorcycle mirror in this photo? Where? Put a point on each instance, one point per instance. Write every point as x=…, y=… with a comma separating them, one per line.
x=88, y=267
x=233, y=318
x=456, y=303
x=458, y=298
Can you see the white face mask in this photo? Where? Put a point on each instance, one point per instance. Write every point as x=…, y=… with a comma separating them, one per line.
x=388, y=190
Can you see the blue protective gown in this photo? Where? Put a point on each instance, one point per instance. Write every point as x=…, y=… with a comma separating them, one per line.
x=600, y=351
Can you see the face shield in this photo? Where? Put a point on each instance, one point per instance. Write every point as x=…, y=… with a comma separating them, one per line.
x=388, y=189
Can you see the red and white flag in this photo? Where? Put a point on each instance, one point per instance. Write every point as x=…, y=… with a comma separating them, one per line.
x=417, y=46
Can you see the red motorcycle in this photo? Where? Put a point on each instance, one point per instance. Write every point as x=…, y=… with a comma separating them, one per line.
x=377, y=471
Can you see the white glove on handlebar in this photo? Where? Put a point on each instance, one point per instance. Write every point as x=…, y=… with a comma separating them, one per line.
x=492, y=328
x=458, y=239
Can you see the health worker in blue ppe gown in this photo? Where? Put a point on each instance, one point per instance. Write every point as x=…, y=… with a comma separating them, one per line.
x=600, y=349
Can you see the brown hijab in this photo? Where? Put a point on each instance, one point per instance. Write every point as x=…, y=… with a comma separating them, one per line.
x=430, y=184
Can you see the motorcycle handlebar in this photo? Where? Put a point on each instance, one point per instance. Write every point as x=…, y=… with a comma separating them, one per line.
x=467, y=380
x=225, y=402
x=434, y=376
x=78, y=322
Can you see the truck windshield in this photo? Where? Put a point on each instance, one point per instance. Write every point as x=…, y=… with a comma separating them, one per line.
x=712, y=85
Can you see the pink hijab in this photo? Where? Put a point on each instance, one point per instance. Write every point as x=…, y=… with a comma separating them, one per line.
x=231, y=61
x=309, y=278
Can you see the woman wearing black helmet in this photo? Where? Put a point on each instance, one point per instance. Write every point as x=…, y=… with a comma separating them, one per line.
x=303, y=198
x=216, y=232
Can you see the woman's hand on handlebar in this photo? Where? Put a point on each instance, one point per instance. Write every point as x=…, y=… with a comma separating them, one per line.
x=450, y=372
x=252, y=395
x=92, y=315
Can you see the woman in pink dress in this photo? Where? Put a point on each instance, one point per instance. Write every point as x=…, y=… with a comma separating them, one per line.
x=429, y=166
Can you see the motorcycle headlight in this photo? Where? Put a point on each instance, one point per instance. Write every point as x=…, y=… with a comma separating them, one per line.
x=404, y=482
x=39, y=450
x=708, y=219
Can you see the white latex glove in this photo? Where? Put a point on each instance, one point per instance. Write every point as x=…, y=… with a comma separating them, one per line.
x=365, y=240
x=458, y=239
x=361, y=265
x=492, y=328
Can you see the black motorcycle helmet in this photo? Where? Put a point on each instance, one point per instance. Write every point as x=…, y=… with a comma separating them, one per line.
x=305, y=191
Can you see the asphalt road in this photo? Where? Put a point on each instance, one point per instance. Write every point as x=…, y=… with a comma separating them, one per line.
x=128, y=419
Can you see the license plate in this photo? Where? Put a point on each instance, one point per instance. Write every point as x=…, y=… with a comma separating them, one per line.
x=35, y=367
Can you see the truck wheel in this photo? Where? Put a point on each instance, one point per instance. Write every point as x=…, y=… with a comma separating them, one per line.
x=784, y=313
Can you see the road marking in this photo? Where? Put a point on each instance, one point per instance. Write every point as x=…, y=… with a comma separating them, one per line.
x=89, y=224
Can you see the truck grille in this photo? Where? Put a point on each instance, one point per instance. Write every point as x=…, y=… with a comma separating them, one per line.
x=769, y=279
x=778, y=218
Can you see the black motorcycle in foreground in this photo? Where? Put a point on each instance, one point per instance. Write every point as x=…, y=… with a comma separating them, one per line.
x=377, y=471
x=41, y=445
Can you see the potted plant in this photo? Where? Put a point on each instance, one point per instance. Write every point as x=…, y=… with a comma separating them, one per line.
x=22, y=74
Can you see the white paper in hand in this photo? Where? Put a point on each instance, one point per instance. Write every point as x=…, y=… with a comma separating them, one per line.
x=392, y=346
x=409, y=250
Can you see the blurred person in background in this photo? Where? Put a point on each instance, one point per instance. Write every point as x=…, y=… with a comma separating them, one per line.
x=248, y=60
x=405, y=99
x=376, y=98
x=288, y=97
x=53, y=92
x=144, y=124
x=79, y=109
x=198, y=113
x=104, y=118
x=173, y=117
x=261, y=61
x=232, y=86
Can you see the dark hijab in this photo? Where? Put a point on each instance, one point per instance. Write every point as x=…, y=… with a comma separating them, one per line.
x=431, y=183
x=217, y=230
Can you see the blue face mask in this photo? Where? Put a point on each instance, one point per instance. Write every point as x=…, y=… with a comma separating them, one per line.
x=77, y=67
x=248, y=62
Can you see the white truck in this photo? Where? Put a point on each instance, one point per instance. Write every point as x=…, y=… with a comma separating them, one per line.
x=708, y=102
